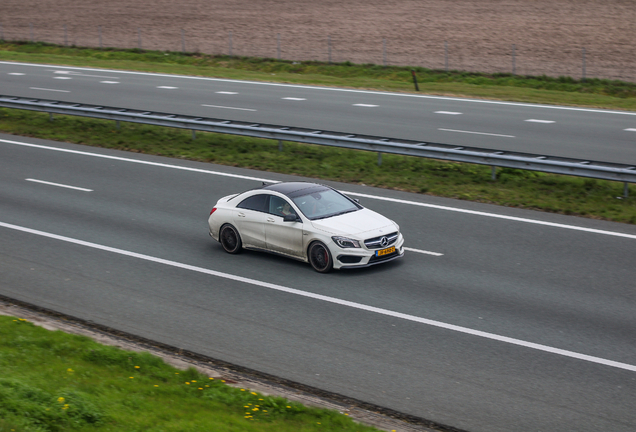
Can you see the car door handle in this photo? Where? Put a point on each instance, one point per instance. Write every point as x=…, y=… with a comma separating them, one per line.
x=241, y=215
x=269, y=219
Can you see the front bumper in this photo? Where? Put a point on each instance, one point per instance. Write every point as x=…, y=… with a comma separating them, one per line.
x=358, y=258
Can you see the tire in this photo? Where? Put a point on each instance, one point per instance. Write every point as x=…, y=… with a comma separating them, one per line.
x=320, y=257
x=230, y=239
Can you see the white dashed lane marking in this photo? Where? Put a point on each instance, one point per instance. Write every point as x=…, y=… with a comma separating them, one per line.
x=631, y=129
x=365, y=105
x=448, y=112
x=167, y=87
x=226, y=92
x=15, y=73
x=423, y=251
x=294, y=99
x=109, y=82
x=476, y=133
x=62, y=78
x=539, y=121
x=59, y=185
x=226, y=107
x=53, y=90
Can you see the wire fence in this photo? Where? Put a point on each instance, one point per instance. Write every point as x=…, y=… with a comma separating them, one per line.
x=578, y=62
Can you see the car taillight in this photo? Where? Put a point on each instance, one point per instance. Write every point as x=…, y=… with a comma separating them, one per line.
x=213, y=210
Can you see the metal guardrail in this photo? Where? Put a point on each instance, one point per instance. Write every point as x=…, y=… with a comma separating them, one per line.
x=495, y=158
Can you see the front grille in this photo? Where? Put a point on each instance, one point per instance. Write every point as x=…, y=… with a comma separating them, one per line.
x=376, y=242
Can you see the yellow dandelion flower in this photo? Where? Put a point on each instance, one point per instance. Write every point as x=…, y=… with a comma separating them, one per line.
x=222, y=380
x=254, y=409
x=60, y=399
x=255, y=394
x=187, y=383
x=193, y=380
x=156, y=385
x=288, y=406
x=242, y=389
x=136, y=367
x=132, y=377
x=200, y=388
x=211, y=378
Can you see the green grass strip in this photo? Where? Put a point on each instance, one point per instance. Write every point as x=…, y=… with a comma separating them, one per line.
x=53, y=381
x=516, y=188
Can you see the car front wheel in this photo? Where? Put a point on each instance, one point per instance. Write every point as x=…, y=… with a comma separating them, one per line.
x=230, y=239
x=320, y=257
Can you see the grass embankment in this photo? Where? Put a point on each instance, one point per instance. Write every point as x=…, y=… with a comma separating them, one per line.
x=53, y=381
x=517, y=188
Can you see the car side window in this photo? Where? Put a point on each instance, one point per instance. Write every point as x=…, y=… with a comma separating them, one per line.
x=255, y=202
x=279, y=207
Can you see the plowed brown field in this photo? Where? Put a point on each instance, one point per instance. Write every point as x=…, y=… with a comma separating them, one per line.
x=549, y=35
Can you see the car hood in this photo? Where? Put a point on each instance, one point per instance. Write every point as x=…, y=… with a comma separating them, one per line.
x=362, y=224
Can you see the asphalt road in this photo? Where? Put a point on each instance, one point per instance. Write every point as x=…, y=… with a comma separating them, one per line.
x=599, y=135
x=522, y=320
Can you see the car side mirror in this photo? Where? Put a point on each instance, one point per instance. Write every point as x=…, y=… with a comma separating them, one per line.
x=290, y=218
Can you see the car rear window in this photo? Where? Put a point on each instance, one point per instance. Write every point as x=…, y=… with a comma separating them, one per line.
x=255, y=202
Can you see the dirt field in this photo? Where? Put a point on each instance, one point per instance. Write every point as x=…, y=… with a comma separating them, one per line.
x=549, y=35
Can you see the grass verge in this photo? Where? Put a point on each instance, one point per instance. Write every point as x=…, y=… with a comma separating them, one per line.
x=516, y=188
x=53, y=381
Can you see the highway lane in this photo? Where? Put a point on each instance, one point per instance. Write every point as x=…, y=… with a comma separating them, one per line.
x=561, y=282
x=602, y=135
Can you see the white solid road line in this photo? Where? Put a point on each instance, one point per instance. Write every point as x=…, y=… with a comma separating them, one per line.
x=333, y=300
x=423, y=251
x=476, y=133
x=448, y=112
x=59, y=185
x=414, y=203
x=167, y=87
x=365, y=105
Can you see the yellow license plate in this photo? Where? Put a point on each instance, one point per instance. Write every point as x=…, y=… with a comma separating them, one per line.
x=386, y=251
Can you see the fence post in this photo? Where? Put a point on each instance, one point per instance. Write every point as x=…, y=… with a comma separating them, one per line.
x=384, y=51
x=139, y=37
x=514, y=66
x=446, y=55
x=329, y=44
x=278, y=45
x=417, y=88
x=583, y=55
x=182, y=42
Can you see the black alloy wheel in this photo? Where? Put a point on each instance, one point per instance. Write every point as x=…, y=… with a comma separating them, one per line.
x=230, y=239
x=320, y=257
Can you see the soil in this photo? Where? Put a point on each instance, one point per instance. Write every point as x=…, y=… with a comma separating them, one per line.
x=591, y=38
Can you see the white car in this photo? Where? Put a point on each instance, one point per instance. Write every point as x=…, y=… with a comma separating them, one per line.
x=306, y=221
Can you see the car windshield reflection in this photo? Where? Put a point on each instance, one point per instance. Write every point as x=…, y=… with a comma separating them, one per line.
x=324, y=204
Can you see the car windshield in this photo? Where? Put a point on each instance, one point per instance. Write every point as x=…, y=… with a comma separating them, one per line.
x=324, y=203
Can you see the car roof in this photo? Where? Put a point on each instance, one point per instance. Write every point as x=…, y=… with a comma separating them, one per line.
x=294, y=189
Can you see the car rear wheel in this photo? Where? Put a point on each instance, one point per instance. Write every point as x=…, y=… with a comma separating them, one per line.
x=230, y=239
x=320, y=257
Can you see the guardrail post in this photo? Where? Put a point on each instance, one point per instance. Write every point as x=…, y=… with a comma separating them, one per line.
x=230, y=44
x=182, y=42
x=514, y=65
x=329, y=44
x=50, y=116
x=446, y=56
x=65, y=36
x=280, y=145
x=379, y=159
x=278, y=45
x=139, y=37
x=626, y=190
x=194, y=134
x=384, y=52
x=100, y=37
x=493, y=174
x=31, y=29
x=117, y=124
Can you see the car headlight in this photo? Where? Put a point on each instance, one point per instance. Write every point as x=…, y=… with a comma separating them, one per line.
x=345, y=242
